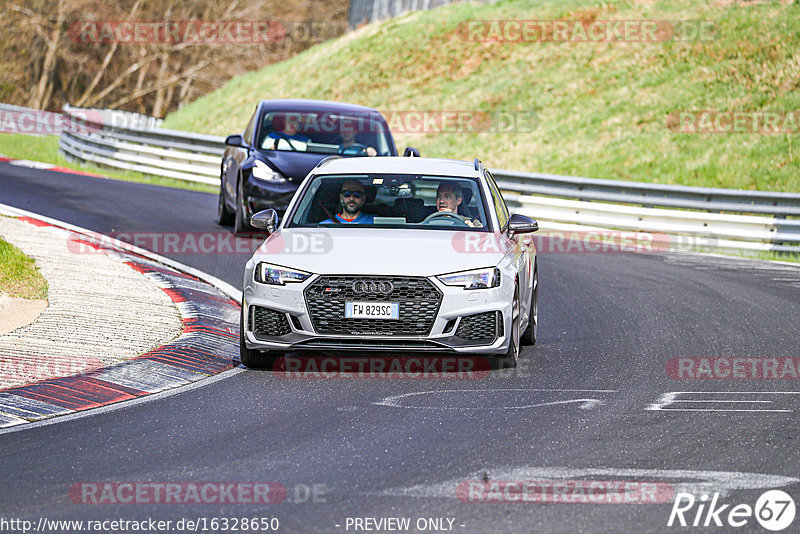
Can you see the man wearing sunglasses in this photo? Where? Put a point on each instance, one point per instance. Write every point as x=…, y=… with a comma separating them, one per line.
x=352, y=198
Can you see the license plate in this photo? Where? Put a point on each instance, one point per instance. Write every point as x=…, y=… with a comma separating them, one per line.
x=372, y=310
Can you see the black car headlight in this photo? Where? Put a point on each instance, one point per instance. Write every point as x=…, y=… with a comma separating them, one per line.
x=264, y=172
x=267, y=273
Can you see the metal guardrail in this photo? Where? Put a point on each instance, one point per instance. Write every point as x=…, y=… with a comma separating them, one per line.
x=723, y=218
x=118, y=140
x=366, y=11
x=660, y=195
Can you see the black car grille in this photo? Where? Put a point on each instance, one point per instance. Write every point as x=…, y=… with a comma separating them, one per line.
x=269, y=323
x=419, y=303
x=478, y=327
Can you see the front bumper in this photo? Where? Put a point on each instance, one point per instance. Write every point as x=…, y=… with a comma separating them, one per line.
x=463, y=322
x=259, y=195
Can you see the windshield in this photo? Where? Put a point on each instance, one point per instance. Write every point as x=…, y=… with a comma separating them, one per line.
x=392, y=201
x=354, y=134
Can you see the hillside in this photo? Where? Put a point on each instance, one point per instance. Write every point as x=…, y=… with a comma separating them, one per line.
x=601, y=109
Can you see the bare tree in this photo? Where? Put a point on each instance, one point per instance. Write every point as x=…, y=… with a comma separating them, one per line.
x=153, y=77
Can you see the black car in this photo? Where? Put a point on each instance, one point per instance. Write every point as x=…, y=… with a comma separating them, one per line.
x=263, y=167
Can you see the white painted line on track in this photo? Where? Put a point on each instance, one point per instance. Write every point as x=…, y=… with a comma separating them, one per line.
x=395, y=401
x=664, y=403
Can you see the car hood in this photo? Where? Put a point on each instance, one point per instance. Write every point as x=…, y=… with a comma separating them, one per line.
x=382, y=251
x=295, y=165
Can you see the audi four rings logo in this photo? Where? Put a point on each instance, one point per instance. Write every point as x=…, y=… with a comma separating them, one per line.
x=367, y=286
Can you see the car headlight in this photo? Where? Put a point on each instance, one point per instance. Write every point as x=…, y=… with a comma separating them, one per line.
x=262, y=171
x=267, y=273
x=474, y=279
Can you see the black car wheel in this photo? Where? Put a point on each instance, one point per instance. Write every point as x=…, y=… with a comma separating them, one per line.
x=529, y=337
x=224, y=216
x=240, y=223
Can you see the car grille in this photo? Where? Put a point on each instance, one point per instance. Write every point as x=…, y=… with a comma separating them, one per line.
x=419, y=303
x=269, y=323
x=478, y=327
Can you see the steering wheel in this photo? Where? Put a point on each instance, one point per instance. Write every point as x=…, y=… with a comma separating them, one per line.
x=284, y=136
x=449, y=214
x=356, y=149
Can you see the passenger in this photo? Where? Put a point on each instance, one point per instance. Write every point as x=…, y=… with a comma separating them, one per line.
x=352, y=198
x=449, y=197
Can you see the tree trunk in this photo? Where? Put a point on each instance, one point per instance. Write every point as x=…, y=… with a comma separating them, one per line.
x=39, y=100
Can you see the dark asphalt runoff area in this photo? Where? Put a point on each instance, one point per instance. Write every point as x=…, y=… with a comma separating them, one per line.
x=592, y=404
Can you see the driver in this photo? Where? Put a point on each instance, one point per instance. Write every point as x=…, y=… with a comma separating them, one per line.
x=449, y=197
x=349, y=141
x=285, y=130
x=352, y=197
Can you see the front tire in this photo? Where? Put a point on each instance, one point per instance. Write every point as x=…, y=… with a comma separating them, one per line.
x=224, y=216
x=529, y=337
x=240, y=224
x=512, y=355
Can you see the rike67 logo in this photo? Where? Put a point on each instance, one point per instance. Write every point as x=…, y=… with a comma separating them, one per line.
x=774, y=510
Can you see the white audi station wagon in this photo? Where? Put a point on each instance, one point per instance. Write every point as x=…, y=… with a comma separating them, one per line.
x=392, y=254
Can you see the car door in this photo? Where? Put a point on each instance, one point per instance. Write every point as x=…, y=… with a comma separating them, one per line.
x=523, y=244
x=234, y=156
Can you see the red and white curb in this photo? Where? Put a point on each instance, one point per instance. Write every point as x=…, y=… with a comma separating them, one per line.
x=207, y=346
x=46, y=166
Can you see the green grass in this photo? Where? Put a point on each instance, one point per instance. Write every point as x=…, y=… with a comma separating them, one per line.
x=19, y=276
x=766, y=255
x=600, y=108
x=45, y=149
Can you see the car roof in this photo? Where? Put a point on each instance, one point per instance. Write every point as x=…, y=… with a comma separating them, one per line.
x=300, y=104
x=399, y=165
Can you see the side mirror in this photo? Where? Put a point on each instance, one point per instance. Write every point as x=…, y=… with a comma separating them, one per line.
x=266, y=220
x=520, y=224
x=235, y=140
x=411, y=152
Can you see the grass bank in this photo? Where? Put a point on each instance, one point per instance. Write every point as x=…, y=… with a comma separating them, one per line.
x=600, y=109
x=19, y=276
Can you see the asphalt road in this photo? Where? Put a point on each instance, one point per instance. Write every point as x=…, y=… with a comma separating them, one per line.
x=579, y=407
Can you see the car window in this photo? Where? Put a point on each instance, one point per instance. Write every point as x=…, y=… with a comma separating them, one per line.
x=499, y=204
x=251, y=128
x=324, y=133
x=394, y=201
